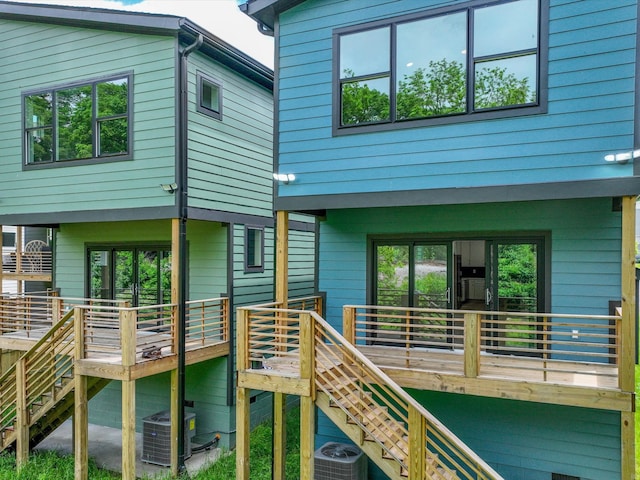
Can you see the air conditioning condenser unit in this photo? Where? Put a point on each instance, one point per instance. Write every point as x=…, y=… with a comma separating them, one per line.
x=156, y=437
x=340, y=461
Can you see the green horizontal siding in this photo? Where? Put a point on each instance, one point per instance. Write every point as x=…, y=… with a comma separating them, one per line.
x=230, y=160
x=55, y=55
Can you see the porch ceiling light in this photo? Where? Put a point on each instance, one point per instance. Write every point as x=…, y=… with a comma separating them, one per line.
x=284, y=177
x=169, y=187
x=622, y=157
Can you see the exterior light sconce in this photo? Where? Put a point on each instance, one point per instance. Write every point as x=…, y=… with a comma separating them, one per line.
x=284, y=177
x=622, y=157
x=169, y=187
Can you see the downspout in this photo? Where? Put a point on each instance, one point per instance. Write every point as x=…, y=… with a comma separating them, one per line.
x=182, y=204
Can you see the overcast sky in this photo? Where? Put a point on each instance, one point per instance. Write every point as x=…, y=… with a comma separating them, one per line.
x=220, y=17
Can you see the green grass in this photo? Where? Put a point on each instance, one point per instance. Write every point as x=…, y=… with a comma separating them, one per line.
x=47, y=465
x=260, y=454
x=52, y=466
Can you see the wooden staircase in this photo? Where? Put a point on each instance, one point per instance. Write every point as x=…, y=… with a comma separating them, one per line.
x=37, y=392
x=397, y=433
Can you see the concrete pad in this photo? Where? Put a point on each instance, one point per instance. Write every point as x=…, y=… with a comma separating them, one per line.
x=105, y=448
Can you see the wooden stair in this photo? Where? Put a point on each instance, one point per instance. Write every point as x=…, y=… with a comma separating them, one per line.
x=395, y=432
x=382, y=439
x=41, y=384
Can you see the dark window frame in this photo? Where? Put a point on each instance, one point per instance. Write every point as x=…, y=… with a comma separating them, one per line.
x=200, y=82
x=95, y=121
x=253, y=267
x=539, y=107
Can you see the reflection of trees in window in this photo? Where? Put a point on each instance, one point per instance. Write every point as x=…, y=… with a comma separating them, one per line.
x=80, y=131
x=112, y=117
x=495, y=87
x=39, y=127
x=459, y=61
x=434, y=91
x=438, y=90
x=74, y=110
x=362, y=103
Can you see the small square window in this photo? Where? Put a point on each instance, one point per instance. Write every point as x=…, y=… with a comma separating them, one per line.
x=209, y=97
x=8, y=239
x=254, y=249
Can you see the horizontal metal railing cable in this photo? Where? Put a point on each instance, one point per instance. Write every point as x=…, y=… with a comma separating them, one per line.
x=553, y=346
x=42, y=374
x=383, y=411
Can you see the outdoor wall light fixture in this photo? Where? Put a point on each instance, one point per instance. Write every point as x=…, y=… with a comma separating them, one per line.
x=284, y=177
x=169, y=187
x=622, y=157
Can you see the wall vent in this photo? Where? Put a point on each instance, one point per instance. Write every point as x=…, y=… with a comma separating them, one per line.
x=156, y=437
x=339, y=461
x=560, y=476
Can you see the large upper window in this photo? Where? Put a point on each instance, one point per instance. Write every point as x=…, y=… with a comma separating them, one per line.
x=464, y=62
x=78, y=122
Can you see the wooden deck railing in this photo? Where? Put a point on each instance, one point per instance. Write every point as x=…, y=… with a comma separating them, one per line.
x=39, y=379
x=151, y=331
x=37, y=312
x=298, y=343
x=35, y=257
x=534, y=346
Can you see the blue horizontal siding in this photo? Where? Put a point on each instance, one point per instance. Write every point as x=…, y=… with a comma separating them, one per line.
x=592, y=50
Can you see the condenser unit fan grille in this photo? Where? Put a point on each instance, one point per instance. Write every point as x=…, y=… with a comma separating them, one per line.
x=340, y=461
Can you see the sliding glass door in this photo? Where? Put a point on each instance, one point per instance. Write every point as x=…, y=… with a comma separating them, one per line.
x=413, y=275
x=139, y=275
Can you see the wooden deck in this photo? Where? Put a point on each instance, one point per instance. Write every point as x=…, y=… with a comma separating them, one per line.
x=121, y=343
x=525, y=357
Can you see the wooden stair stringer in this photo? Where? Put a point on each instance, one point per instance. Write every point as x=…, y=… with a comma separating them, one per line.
x=61, y=411
x=388, y=465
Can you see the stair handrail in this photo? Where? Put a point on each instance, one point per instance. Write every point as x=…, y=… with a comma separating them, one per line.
x=375, y=372
x=19, y=403
x=415, y=412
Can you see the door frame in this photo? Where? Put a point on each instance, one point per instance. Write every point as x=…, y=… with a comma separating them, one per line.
x=112, y=247
x=544, y=236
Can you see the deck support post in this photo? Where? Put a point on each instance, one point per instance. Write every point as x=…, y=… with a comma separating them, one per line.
x=128, y=430
x=282, y=295
x=128, y=332
x=627, y=333
x=22, y=414
x=307, y=414
x=81, y=403
x=242, y=434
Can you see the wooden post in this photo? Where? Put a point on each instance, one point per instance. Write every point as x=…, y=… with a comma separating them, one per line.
x=22, y=414
x=282, y=295
x=128, y=430
x=471, y=345
x=626, y=370
x=19, y=258
x=307, y=427
x=307, y=414
x=282, y=257
x=128, y=343
x=417, y=445
x=175, y=278
x=81, y=403
x=349, y=324
x=242, y=434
